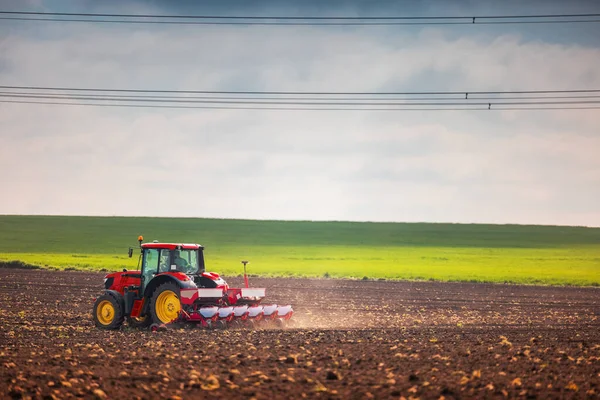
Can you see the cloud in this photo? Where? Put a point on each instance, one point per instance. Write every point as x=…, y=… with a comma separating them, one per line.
x=509, y=166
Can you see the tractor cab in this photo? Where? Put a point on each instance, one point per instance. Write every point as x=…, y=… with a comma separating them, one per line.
x=176, y=259
x=161, y=258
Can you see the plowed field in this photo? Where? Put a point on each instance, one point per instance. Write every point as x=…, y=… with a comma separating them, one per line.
x=352, y=339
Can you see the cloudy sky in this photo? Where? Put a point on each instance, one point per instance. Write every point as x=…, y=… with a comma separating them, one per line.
x=527, y=167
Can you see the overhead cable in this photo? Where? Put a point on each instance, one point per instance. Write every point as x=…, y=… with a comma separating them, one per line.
x=315, y=98
x=462, y=102
x=297, y=20
x=295, y=108
x=296, y=100
x=308, y=93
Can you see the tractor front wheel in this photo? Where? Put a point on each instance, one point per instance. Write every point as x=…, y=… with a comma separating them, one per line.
x=108, y=312
x=165, y=304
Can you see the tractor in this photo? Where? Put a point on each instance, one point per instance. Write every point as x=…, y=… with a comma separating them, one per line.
x=171, y=286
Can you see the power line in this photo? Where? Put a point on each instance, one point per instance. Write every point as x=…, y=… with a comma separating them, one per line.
x=222, y=107
x=222, y=97
x=299, y=20
x=298, y=108
x=295, y=100
x=297, y=23
x=270, y=17
x=463, y=102
x=307, y=93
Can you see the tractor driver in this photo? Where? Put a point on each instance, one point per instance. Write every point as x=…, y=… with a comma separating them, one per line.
x=179, y=261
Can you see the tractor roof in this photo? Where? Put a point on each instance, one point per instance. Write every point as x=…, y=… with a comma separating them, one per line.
x=171, y=246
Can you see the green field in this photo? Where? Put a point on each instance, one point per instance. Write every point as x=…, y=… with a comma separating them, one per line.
x=448, y=252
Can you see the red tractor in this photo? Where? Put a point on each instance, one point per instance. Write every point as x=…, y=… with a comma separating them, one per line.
x=172, y=286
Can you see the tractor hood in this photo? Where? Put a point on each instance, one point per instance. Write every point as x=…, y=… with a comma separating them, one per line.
x=118, y=279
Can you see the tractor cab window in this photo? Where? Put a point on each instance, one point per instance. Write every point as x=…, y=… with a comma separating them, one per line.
x=164, y=264
x=186, y=261
x=150, y=264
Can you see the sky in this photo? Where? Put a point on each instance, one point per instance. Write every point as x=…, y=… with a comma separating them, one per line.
x=524, y=167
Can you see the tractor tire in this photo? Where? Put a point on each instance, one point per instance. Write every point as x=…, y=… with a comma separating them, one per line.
x=139, y=322
x=165, y=304
x=108, y=311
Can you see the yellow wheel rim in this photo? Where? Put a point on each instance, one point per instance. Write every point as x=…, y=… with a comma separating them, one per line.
x=105, y=312
x=167, y=306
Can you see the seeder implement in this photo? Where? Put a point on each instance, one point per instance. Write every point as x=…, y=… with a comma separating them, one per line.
x=172, y=286
x=246, y=311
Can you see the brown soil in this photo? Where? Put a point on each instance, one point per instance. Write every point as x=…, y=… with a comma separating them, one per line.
x=353, y=339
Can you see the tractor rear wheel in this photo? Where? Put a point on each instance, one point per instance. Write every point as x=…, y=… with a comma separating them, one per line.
x=108, y=312
x=165, y=304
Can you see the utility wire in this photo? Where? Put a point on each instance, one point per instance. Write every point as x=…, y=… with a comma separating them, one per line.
x=463, y=102
x=239, y=92
x=220, y=107
x=296, y=23
x=270, y=17
x=295, y=100
x=221, y=97
x=300, y=20
x=298, y=108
